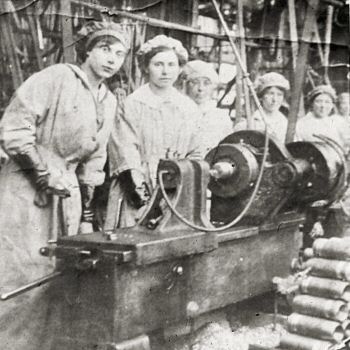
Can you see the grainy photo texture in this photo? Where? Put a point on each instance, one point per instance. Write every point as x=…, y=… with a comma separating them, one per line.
x=174, y=175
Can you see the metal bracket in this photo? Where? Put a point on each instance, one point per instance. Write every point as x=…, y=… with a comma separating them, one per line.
x=139, y=343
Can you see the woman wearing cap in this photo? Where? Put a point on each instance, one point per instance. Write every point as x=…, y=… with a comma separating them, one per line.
x=201, y=81
x=55, y=131
x=159, y=122
x=321, y=120
x=271, y=89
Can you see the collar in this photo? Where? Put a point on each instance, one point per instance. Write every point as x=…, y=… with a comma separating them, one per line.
x=103, y=90
x=207, y=106
x=145, y=95
x=269, y=117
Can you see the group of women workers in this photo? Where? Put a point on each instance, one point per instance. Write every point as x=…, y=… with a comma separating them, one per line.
x=161, y=122
x=56, y=132
x=321, y=119
x=58, y=128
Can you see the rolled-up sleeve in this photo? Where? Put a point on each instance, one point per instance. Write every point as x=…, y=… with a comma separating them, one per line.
x=124, y=151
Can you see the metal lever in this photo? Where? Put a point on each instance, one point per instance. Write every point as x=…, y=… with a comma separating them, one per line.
x=37, y=283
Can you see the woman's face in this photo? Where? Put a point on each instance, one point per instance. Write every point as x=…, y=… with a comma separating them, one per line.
x=272, y=99
x=200, y=89
x=163, y=69
x=105, y=59
x=322, y=105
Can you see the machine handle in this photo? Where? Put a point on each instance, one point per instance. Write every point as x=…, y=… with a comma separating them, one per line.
x=37, y=283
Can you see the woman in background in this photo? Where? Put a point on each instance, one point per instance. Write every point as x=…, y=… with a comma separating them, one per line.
x=271, y=89
x=201, y=82
x=158, y=122
x=321, y=120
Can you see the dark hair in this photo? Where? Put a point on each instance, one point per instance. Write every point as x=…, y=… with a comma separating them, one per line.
x=82, y=50
x=144, y=59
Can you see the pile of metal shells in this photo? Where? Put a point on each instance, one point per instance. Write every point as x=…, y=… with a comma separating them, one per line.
x=320, y=317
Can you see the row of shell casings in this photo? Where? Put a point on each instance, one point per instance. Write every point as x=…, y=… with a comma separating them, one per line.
x=321, y=314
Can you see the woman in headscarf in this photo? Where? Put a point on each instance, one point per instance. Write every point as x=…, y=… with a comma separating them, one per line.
x=321, y=120
x=271, y=89
x=201, y=82
x=159, y=122
x=55, y=131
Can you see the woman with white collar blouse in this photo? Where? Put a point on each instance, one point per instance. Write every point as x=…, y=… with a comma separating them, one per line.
x=158, y=122
x=271, y=89
x=321, y=119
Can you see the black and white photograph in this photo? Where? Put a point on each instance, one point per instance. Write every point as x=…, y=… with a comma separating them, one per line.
x=174, y=175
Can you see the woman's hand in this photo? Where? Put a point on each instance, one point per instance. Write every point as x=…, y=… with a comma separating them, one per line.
x=135, y=188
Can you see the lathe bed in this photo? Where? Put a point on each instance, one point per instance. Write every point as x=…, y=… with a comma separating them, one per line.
x=120, y=300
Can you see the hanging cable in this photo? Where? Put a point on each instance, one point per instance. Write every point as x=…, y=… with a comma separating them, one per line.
x=217, y=229
x=266, y=144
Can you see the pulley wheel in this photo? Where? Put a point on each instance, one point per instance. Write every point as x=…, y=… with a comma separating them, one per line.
x=255, y=138
x=327, y=178
x=244, y=173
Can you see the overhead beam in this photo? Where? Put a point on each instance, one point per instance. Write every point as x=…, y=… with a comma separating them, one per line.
x=154, y=22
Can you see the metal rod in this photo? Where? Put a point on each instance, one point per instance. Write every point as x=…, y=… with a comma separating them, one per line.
x=34, y=33
x=37, y=283
x=337, y=3
x=300, y=71
x=293, y=31
x=194, y=23
x=10, y=45
x=67, y=31
x=239, y=60
x=149, y=20
x=155, y=22
x=242, y=45
x=328, y=39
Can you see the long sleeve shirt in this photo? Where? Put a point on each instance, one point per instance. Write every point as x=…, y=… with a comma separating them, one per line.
x=152, y=128
x=215, y=125
x=276, y=124
x=335, y=127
